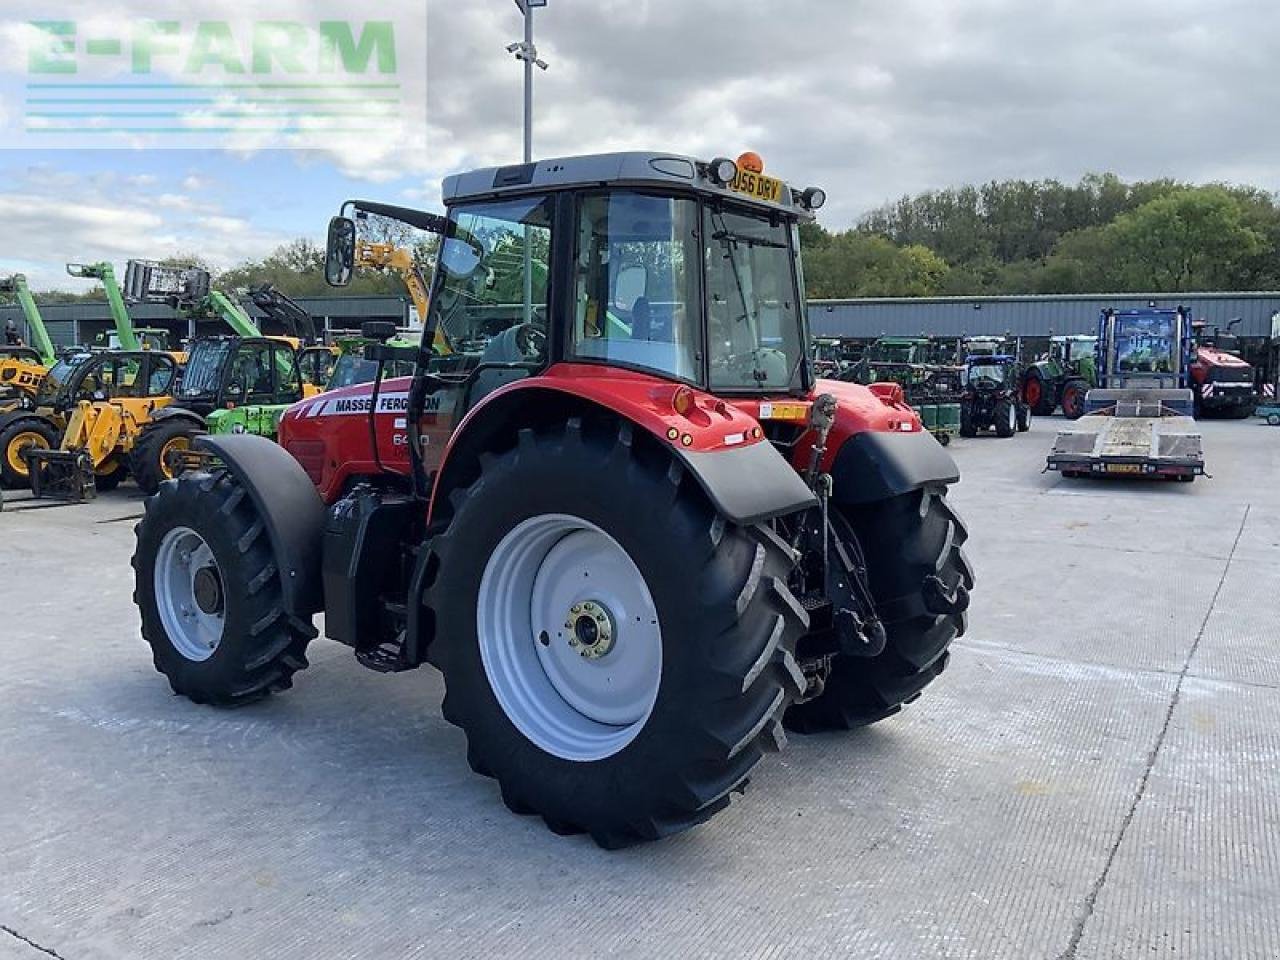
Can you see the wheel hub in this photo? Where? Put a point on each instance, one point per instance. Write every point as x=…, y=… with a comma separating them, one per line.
x=207, y=587
x=591, y=630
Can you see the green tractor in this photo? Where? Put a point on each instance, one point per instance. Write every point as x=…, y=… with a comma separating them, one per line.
x=1062, y=377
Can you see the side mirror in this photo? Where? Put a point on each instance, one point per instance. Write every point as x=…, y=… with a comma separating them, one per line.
x=340, y=252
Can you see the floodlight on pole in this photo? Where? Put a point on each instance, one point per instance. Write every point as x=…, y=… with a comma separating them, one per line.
x=527, y=53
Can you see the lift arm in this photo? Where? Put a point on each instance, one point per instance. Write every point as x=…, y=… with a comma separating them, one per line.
x=233, y=314
x=399, y=260
x=106, y=273
x=297, y=321
x=17, y=285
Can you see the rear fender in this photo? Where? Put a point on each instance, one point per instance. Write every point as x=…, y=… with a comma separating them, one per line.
x=290, y=508
x=715, y=441
x=178, y=413
x=878, y=447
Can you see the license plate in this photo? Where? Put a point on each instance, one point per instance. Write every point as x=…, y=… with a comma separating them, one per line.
x=757, y=186
x=1124, y=468
x=783, y=411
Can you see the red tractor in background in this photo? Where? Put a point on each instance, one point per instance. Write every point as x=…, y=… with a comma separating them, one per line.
x=1222, y=382
x=620, y=514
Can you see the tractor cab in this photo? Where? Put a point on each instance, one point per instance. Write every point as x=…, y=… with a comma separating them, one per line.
x=634, y=263
x=990, y=372
x=230, y=372
x=103, y=376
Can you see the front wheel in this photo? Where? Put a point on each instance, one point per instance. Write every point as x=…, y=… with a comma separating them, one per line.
x=615, y=675
x=25, y=433
x=156, y=455
x=209, y=591
x=1024, y=418
x=1073, y=395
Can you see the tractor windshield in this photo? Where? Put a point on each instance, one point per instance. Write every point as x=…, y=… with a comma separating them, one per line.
x=989, y=373
x=59, y=378
x=755, y=340
x=203, y=374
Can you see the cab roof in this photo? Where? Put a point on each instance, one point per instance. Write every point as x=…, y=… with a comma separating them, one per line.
x=638, y=169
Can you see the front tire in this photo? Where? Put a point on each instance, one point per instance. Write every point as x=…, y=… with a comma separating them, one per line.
x=1073, y=395
x=1024, y=418
x=151, y=461
x=209, y=592
x=718, y=622
x=912, y=544
x=21, y=434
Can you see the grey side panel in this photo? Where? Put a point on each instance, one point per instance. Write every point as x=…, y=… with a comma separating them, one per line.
x=877, y=466
x=290, y=507
x=749, y=484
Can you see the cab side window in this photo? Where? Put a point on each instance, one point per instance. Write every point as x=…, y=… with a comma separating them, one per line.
x=161, y=376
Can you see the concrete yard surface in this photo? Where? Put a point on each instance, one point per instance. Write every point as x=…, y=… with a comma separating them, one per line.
x=1094, y=776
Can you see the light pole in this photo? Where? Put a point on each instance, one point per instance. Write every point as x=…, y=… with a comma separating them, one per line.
x=527, y=53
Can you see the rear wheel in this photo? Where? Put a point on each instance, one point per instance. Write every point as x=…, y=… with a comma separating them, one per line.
x=920, y=580
x=1006, y=418
x=967, y=428
x=27, y=433
x=1038, y=394
x=155, y=454
x=1073, y=399
x=616, y=676
x=209, y=592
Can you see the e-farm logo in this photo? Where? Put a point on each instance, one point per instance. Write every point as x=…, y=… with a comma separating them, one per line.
x=211, y=82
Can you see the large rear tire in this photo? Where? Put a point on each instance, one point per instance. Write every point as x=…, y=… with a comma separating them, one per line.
x=209, y=591
x=151, y=461
x=649, y=735
x=920, y=579
x=1006, y=418
x=967, y=427
x=1038, y=394
x=21, y=434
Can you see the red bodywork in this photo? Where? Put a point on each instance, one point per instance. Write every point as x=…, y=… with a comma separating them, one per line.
x=1207, y=358
x=329, y=434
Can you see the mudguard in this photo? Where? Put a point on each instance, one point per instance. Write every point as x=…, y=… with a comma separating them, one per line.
x=745, y=477
x=170, y=413
x=749, y=484
x=879, y=465
x=290, y=507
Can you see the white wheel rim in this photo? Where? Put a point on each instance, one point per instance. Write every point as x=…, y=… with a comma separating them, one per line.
x=185, y=574
x=562, y=579
x=1013, y=418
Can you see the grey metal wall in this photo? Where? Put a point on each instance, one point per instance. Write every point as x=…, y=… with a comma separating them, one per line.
x=1026, y=316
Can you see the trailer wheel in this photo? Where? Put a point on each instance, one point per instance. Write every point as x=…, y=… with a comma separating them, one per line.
x=209, y=592
x=1006, y=418
x=920, y=579
x=615, y=675
x=20, y=435
x=152, y=458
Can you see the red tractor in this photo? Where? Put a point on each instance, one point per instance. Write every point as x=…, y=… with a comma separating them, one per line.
x=620, y=515
x=1223, y=383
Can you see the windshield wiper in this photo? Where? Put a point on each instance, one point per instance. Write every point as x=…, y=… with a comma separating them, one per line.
x=723, y=235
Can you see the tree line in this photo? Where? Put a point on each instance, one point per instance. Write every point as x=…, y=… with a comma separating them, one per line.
x=1020, y=236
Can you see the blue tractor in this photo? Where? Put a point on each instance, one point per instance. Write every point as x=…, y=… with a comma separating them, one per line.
x=993, y=396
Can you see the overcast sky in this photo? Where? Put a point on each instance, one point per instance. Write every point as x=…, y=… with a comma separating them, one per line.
x=870, y=100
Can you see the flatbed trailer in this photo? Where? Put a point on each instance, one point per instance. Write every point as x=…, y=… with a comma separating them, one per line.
x=1143, y=433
